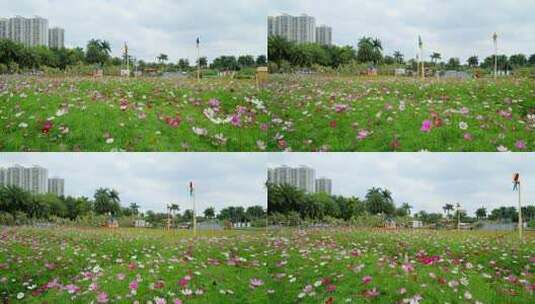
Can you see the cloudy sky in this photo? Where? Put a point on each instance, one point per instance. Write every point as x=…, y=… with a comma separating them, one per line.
x=154, y=179
x=151, y=27
x=426, y=180
x=454, y=28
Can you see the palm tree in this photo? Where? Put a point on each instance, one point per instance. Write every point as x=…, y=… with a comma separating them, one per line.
x=162, y=58
x=398, y=57
x=209, y=212
x=435, y=57
x=407, y=208
x=481, y=213
x=135, y=208
x=448, y=208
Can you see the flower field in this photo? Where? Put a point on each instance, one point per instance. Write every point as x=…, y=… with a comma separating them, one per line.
x=401, y=114
x=356, y=266
x=125, y=266
x=114, y=114
x=72, y=265
x=291, y=114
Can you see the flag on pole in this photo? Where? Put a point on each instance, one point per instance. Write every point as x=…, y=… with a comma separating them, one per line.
x=198, y=41
x=191, y=188
x=516, y=181
x=420, y=42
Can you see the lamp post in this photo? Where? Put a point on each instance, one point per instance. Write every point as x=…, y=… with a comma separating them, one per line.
x=495, y=39
x=516, y=182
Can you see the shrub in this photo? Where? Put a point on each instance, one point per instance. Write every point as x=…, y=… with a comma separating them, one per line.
x=6, y=219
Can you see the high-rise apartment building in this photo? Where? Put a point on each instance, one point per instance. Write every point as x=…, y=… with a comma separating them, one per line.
x=299, y=29
x=56, y=186
x=302, y=178
x=3, y=28
x=37, y=31
x=324, y=185
x=33, y=179
x=28, y=31
x=56, y=38
x=324, y=35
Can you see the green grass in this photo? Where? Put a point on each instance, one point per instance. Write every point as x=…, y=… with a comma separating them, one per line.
x=291, y=114
x=470, y=267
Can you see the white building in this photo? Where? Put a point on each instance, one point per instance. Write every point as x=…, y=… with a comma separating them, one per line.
x=3, y=28
x=300, y=29
x=33, y=179
x=302, y=178
x=37, y=31
x=324, y=185
x=56, y=38
x=324, y=35
x=28, y=31
x=56, y=186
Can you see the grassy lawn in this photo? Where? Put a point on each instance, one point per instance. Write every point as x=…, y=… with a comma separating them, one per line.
x=72, y=265
x=293, y=114
x=401, y=114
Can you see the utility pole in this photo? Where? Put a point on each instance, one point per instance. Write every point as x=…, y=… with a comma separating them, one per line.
x=516, y=182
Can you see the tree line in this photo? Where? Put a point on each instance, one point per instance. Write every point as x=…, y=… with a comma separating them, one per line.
x=286, y=201
x=282, y=52
x=16, y=56
x=20, y=206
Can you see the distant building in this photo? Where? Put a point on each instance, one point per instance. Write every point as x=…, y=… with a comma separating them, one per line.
x=302, y=178
x=324, y=35
x=324, y=185
x=299, y=29
x=56, y=38
x=3, y=28
x=31, y=32
x=32, y=179
x=56, y=186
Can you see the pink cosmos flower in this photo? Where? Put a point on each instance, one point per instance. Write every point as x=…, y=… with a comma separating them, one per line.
x=331, y=288
x=120, y=276
x=429, y=260
x=339, y=108
x=133, y=285
x=520, y=144
x=213, y=103
x=124, y=104
x=363, y=134
x=254, y=283
x=366, y=279
x=426, y=126
x=173, y=122
x=407, y=267
x=177, y=301
x=235, y=120
x=183, y=282
x=371, y=293
x=102, y=298
x=71, y=288
x=468, y=137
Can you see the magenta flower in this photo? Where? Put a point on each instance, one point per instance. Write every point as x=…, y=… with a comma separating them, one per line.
x=71, y=288
x=468, y=137
x=426, y=126
x=235, y=120
x=366, y=279
x=407, y=267
x=133, y=285
x=371, y=293
x=339, y=108
x=213, y=103
x=520, y=144
x=102, y=298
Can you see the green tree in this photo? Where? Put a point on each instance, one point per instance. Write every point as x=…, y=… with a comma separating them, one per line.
x=435, y=57
x=379, y=201
x=107, y=201
x=398, y=57
x=97, y=52
x=255, y=212
x=453, y=64
x=209, y=212
x=245, y=61
x=261, y=60
x=183, y=64
x=531, y=60
x=135, y=208
x=369, y=50
x=518, y=60
x=473, y=61
x=481, y=213
x=162, y=58
x=202, y=62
